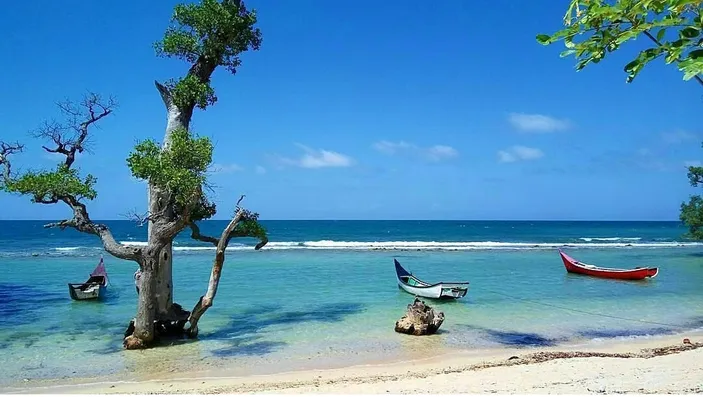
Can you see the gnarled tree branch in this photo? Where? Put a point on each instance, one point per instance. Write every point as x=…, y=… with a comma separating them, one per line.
x=81, y=222
x=196, y=235
x=6, y=150
x=64, y=185
x=71, y=137
x=205, y=301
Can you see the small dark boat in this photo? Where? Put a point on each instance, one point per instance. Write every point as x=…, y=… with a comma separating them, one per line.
x=93, y=288
x=441, y=290
x=638, y=273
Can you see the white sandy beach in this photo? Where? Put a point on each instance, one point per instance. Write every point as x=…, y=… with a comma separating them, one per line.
x=658, y=365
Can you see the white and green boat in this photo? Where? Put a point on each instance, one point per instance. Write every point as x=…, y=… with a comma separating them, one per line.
x=413, y=285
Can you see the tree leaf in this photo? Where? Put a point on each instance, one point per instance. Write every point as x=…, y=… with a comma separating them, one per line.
x=544, y=39
x=605, y=26
x=695, y=54
x=660, y=34
x=690, y=32
x=632, y=65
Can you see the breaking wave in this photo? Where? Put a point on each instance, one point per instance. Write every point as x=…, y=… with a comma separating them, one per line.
x=589, y=239
x=614, y=242
x=330, y=245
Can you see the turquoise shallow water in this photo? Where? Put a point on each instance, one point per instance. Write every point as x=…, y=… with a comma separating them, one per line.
x=295, y=306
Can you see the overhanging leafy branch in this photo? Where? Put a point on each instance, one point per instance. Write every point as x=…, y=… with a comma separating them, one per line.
x=247, y=225
x=673, y=26
x=65, y=184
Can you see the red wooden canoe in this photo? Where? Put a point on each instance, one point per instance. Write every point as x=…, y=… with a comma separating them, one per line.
x=638, y=273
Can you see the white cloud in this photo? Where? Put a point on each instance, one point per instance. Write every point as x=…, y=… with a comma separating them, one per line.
x=439, y=152
x=693, y=163
x=518, y=153
x=678, y=137
x=433, y=153
x=225, y=168
x=392, y=147
x=318, y=158
x=537, y=123
x=260, y=169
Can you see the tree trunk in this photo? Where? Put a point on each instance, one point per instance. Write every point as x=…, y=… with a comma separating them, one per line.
x=144, y=332
x=158, y=204
x=164, y=269
x=157, y=315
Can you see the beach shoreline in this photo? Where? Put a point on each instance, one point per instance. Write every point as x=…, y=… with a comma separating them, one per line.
x=662, y=364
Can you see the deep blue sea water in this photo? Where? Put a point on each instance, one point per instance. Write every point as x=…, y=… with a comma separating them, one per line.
x=324, y=293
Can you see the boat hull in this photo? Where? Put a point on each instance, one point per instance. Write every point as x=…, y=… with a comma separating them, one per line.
x=432, y=291
x=81, y=292
x=576, y=267
x=93, y=288
x=435, y=292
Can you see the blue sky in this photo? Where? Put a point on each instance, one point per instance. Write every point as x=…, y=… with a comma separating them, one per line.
x=367, y=110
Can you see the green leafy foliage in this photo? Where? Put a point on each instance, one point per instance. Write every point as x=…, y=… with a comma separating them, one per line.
x=181, y=169
x=249, y=226
x=51, y=186
x=692, y=215
x=209, y=34
x=692, y=212
x=204, y=209
x=189, y=90
x=673, y=27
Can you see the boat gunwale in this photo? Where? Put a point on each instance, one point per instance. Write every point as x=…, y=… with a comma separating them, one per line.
x=460, y=285
x=586, y=266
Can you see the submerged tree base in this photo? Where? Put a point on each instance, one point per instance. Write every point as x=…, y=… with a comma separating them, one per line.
x=170, y=326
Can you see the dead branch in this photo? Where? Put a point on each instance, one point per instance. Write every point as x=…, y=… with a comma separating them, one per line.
x=205, y=301
x=81, y=222
x=6, y=150
x=71, y=137
x=143, y=218
x=139, y=218
x=165, y=94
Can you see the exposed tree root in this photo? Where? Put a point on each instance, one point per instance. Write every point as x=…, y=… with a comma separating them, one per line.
x=173, y=326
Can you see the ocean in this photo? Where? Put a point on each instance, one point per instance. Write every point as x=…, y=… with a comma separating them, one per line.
x=323, y=293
